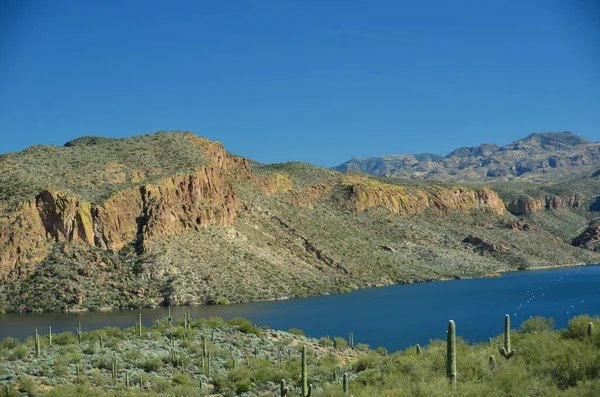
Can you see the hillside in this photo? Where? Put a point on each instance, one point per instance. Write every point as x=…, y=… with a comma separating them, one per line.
x=217, y=358
x=173, y=218
x=537, y=157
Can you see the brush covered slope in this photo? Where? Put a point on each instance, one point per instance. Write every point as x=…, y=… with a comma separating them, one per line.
x=172, y=218
x=210, y=357
x=536, y=157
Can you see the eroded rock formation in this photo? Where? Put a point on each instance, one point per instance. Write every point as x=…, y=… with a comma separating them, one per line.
x=367, y=193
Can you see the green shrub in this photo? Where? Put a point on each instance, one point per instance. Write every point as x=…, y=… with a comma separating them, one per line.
x=296, y=331
x=20, y=352
x=362, y=347
x=577, y=328
x=537, y=324
x=151, y=364
x=245, y=326
x=382, y=351
x=325, y=342
x=181, y=379
x=161, y=385
x=368, y=361
x=211, y=322
x=242, y=386
x=28, y=385
x=64, y=338
x=340, y=343
x=9, y=343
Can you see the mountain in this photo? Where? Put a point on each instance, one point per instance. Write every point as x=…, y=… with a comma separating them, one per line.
x=383, y=166
x=538, y=156
x=172, y=218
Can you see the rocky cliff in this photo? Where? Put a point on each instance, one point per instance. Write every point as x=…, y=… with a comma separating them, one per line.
x=529, y=205
x=368, y=193
x=134, y=215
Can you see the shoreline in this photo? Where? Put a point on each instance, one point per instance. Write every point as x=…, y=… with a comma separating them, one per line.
x=493, y=274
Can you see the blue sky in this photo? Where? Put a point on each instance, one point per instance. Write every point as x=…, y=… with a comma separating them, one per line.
x=316, y=81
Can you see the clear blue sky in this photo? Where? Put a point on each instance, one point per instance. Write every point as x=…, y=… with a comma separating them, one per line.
x=309, y=80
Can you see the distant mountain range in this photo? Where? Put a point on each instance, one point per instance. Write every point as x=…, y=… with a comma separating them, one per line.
x=539, y=153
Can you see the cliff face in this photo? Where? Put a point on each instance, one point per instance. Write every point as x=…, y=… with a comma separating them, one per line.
x=274, y=183
x=529, y=205
x=138, y=214
x=144, y=213
x=367, y=193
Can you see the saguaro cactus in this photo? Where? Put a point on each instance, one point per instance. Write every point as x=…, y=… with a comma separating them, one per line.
x=37, y=343
x=351, y=340
x=139, y=325
x=419, y=351
x=114, y=368
x=49, y=336
x=208, y=364
x=590, y=330
x=492, y=363
x=505, y=350
x=304, y=373
x=283, y=388
x=346, y=387
x=451, y=353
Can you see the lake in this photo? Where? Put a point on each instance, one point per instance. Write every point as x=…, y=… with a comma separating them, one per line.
x=394, y=317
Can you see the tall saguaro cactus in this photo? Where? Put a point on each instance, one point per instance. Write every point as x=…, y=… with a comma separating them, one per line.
x=451, y=353
x=79, y=333
x=505, y=350
x=139, y=325
x=590, y=330
x=49, y=336
x=37, y=343
x=304, y=373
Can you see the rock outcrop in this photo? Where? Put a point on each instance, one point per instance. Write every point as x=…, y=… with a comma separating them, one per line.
x=528, y=205
x=135, y=215
x=274, y=183
x=484, y=244
x=525, y=206
x=368, y=193
x=589, y=238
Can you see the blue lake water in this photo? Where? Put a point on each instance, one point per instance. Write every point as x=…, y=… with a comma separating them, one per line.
x=394, y=317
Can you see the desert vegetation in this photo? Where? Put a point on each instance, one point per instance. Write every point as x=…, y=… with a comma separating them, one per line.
x=200, y=357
